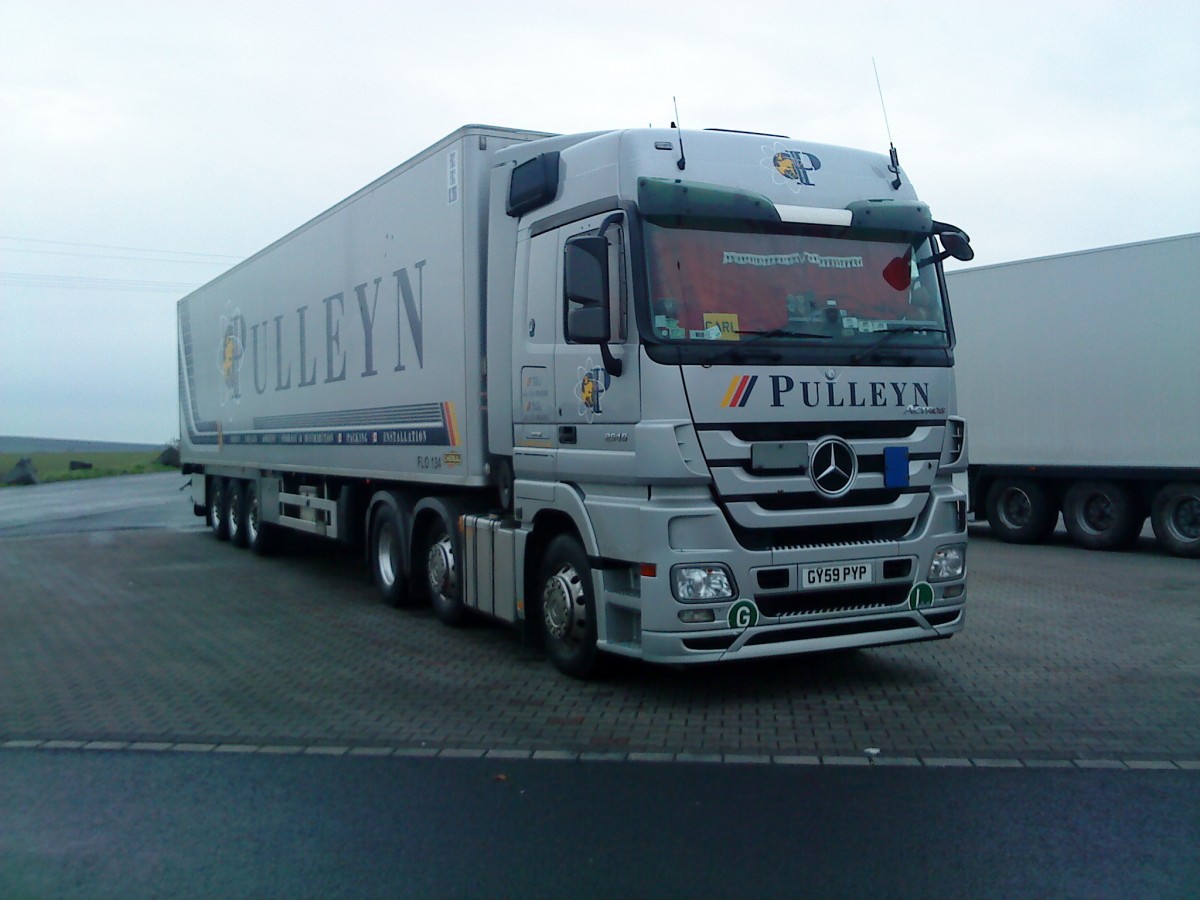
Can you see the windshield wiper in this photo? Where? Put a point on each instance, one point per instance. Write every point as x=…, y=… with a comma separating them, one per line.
x=784, y=332
x=756, y=336
x=888, y=335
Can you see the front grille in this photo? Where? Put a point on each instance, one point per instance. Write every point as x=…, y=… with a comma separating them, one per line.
x=782, y=502
x=805, y=603
x=772, y=507
x=852, y=535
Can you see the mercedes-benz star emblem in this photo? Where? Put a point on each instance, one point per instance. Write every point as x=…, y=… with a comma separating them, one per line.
x=833, y=467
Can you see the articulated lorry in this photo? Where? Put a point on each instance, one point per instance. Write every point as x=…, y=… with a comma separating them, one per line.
x=684, y=396
x=1079, y=376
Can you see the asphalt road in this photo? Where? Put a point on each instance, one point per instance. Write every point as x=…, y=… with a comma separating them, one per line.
x=159, y=824
x=181, y=718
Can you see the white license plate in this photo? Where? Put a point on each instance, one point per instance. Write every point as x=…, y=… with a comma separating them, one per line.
x=841, y=575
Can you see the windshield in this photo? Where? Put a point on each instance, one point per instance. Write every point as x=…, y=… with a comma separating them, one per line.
x=712, y=284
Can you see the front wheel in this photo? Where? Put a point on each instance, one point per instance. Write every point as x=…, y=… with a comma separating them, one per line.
x=567, y=618
x=1176, y=519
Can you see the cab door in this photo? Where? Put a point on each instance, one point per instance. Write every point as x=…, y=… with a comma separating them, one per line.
x=597, y=408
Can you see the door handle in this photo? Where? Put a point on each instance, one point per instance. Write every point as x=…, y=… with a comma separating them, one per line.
x=566, y=434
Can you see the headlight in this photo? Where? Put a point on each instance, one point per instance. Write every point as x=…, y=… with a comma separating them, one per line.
x=948, y=563
x=692, y=584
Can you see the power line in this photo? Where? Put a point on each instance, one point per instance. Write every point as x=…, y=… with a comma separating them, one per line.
x=174, y=262
x=222, y=256
x=82, y=282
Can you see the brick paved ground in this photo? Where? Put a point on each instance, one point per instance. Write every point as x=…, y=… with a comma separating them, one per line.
x=166, y=636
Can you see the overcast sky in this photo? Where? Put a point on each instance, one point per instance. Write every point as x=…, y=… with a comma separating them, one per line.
x=147, y=146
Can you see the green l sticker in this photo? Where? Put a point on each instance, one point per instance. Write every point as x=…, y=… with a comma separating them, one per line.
x=921, y=595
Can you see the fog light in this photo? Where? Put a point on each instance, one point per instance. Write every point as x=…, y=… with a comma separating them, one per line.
x=954, y=591
x=697, y=616
x=948, y=563
x=704, y=583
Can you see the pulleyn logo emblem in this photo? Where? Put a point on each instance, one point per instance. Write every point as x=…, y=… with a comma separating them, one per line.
x=833, y=467
x=790, y=167
x=593, y=382
x=232, y=352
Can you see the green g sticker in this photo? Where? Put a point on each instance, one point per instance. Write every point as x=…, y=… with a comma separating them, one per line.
x=743, y=614
x=920, y=596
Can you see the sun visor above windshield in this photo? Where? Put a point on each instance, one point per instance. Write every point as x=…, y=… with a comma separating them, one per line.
x=673, y=197
x=908, y=216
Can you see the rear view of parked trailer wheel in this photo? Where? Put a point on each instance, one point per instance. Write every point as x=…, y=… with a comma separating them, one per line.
x=1101, y=515
x=1020, y=511
x=1176, y=519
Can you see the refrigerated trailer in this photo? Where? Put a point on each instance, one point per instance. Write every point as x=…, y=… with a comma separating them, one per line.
x=681, y=396
x=1079, y=376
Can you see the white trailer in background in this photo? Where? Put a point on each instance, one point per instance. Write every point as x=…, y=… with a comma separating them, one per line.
x=1079, y=377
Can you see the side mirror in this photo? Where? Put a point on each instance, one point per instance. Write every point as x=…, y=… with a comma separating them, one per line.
x=585, y=276
x=588, y=325
x=958, y=245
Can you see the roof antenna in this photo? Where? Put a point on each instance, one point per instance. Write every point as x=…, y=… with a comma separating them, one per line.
x=894, y=168
x=682, y=161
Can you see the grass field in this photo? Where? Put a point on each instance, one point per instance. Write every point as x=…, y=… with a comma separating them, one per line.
x=57, y=466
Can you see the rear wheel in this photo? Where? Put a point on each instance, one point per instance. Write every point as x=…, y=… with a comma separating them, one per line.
x=218, y=508
x=437, y=573
x=1101, y=515
x=259, y=535
x=504, y=484
x=1019, y=511
x=387, y=555
x=237, y=513
x=567, y=618
x=1176, y=519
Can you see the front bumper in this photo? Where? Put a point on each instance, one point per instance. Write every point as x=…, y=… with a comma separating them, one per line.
x=773, y=614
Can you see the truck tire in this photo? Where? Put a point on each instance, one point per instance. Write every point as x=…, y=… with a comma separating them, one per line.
x=1175, y=518
x=237, y=513
x=1019, y=511
x=386, y=549
x=567, y=608
x=1101, y=515
x=504, y=485
x=218, y=508
x=436, y=572
x=260, y=535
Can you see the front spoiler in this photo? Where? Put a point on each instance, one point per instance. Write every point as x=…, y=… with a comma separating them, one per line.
x=785, y=638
